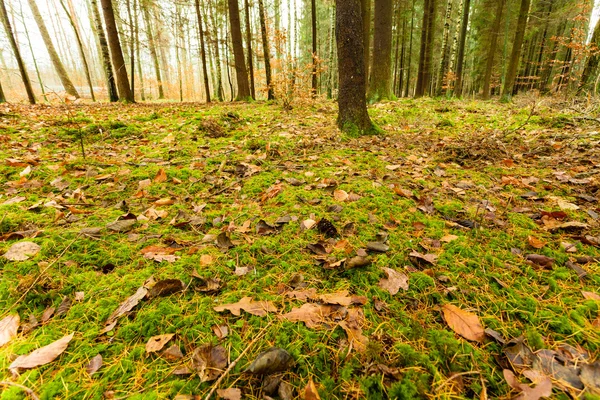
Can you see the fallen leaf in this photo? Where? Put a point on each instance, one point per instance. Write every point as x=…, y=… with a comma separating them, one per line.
x=173, y=353
x=230, y=394
x=342, y=298
x=394, y=282
x=540, y=260
x=209, y=362
x=8, y=328
x=220, y=331
x=21, y=251
x=122, y=225
x=311, y=392
x=325, y=227
x=156, y=343
x=542, y=389
x=270, y=361
x=418, y=258
x=448, y=238
x=590, y=295
x=94, y=364
x=41, y=356
x=258, y=308
x=161, y=176
x=340, y=195
x=166, y=287
x=352, y=326
x=124, y=308
x=224, y=242
x=206, y=260
x=313, y=315
x=535, y=242
x=465, y=323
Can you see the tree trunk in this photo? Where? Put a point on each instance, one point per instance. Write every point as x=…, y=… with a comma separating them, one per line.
x=314, y=47
x=137, y=49
x=238, y=51
x=461, y=49
x=111, y=86
x=331, y=55
x=56, y=62
x=86, y=68
x=203, y=50
x=422, y=73
x=592, y=60
x=131, y=48
x=429, y=57
x=410, y=46
x=353, y=117
x=380, y=86
x=35, y=64
x=116, y=52
x=515, y=55
x=365, y=9
x=249, y=44
x=2, y=98
x=218, y=72
x=13, y=43
x=445, y=39
x=153, y=52
x=489, y=66
x=266, y=52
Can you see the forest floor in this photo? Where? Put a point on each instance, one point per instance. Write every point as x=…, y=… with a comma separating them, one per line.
x=454, y=256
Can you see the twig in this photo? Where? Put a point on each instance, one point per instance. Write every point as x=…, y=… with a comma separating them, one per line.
x=39, y=277
x=234, y=363
x=30, y=392
x=456, y=376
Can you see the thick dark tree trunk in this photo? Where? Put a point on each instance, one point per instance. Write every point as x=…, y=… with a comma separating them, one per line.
x=54, y=58
x=116, y=52
x=365, y=10
x=16, y=52
x=238, y=51
x=313, y=7
x=266, y=52
x=249, y=44
x=515, y=55
x=203, y=51
x=489, y=66
x=461, y=49
x=380, y=86
x=111, y=85
x=353, y=117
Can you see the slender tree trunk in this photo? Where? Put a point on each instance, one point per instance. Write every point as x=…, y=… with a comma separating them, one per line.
x=238, y=51
x=410, y=46
x=538, y=65
x=116, y=52
x=2, y=98
x=136, y=8
x=592, y=60
x=219, y=72
x=445, y=39
x=429, y=57
x=421, y=74
x=228, y=64
x=266, y=52
x=277, y=10
x=80, y=47
x=461, y=49
x=109, y=76
x=153, y=52
x=380, y=86
x=331, y=54
x=365, y=9
x=249, y=44
x=396, y=46
x=314, y=47
x=549, y=65
x=489, y=66
x=353, y=117
x=513, y=65
x=13, y=43
x=131, y=47
x=54, y=58
x=202, y=50
x=400, y=89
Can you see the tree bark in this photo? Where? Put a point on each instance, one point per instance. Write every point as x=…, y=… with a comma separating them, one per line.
x=314, y=47
x=444, y=62
x=137, y=48
x=2, y=98
x=153, y=52
x=592, y=60
x=54, y=58
x=13, y=44
x=515, y=55
x=116, y=52
x=422, y=74
x=489, y=66
x=461, y=49
x=353, y=117
x=266, y=52
x=365, y=9
x=219, y=72
x=35, y=64
x=203, y=50
x=111, y=85
x=238, y=51
x=249, y=44
x=410, y=46
x=380, y=86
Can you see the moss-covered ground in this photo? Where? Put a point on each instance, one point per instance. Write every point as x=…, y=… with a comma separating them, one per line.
x=485, y=179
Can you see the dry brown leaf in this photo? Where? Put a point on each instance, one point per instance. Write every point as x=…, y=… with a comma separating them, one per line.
x=21, y=251
x=302, y=295
x=94, y=364
x=221, y=331
x=464, y=323
x=259, y=308
x=8, y=328
x=230, y=394
x=164, y=202
x=206, y=259
x=166, y=287
x=352, y=325
x=156, y=343
x=209, y=362
x=535, y=242
x=311, y=392
x=313, y=315
x=271, y=361
x=124, y=308
x=590, y=295
x=418, y=258
x=41, y=356
x=161, y=176
x=340, y=195
x=342, y=298
x=543, y=388
x=394, y=282
x=448, y=238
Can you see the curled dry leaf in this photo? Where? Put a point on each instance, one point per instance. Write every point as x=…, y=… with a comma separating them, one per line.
x=41, y=356
x=209, y=362
x=313, y=315
x=229, y=394
x=271, y=361
x=590, y=295
x=161, y=176
x=422, y=259
x=342, y=298
x=311, y=392
x=258, y=308
x=465, y=323
x=538, y=259
x=21, y=251
x=94, y=365
x=535, y=242
x=122, y=225
x=543, y=388
x=173, y=353
x=352, y=325
x=394, y=282
x=340, y=195
x=224, y=241
x=220, y=331
x=156, y=343
x=8, y=328
x=166, y=287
